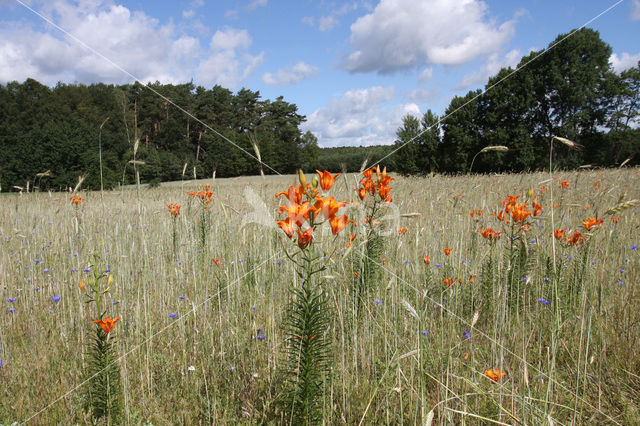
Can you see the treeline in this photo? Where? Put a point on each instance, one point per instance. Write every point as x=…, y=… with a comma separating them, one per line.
x=50, y=136
x=569, y=91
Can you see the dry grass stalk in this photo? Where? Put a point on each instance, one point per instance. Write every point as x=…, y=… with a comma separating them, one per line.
x=622, y=206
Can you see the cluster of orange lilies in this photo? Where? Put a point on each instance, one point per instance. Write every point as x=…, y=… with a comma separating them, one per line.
x=307, y=206
x=174, y=209
x=576, y=237
x=204, y=194
x=76, y=199
x=380, y=186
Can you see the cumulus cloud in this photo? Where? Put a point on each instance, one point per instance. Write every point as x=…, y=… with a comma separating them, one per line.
x=635, y=12
x=401, y=34
x=359, y=117
x=298, y=72
x=624, y=61
x=494, y=63
x=121, y=44
x=229, y=61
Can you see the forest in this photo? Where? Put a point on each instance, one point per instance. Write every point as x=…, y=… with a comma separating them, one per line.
x=51, y=135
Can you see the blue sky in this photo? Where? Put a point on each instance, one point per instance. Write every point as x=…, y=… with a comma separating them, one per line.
x=353, y=68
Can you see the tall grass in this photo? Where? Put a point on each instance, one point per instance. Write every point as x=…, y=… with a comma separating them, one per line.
x=417, y=350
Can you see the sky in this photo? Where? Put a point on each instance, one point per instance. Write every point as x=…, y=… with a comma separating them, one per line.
x=353, y=68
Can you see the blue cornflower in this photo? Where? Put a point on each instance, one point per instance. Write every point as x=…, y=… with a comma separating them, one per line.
x=466, y=333
x=633, y=247
x=11, y=299
x=260, y=335
x=543, y=301
x=424, y=332
x=621, y=283
x=546, y=279
x=36, y=288
x=12, y=310
x=46, y=270
x=0, y=363
x=406, y=261
x=115, y=303
x=253, y=308
x=87, y=270
x=173, y=315
x=181, y=297
x=437, y=265
x=378, y=302
x=524, y=279
x=55, y=298
x=570, y=258
x=36, y=261
x=106, y=271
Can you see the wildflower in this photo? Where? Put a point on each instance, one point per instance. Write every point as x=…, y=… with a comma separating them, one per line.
x=287, y=226
x=490, y=234
x=174, y=209
x=191, y=368
x=378, y=302
x=576, y=238
x=564, y=184
x=217, y=261
x=107, y=324
x=11, y=299
x=634, y=247
x=472, y=278
x=260, y=335
x=543, y=301
x=402, y=231
x=591, y=222
x=466, y=333
x=426, y=259
x=326, y=180
x=304, y=238
x=494, y=374
x=558, y=234
x=447, y=251
x=424, y=332
x=536, y=207
x=55, y=299
x=82, y=285
x=181, y=297
x=173, y=315
x=519, y=212
x=338, y=223
x=76, y=199
x=12, y=310
x=447, y=281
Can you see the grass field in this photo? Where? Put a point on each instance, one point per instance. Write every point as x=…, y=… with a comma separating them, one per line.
x=567, y=336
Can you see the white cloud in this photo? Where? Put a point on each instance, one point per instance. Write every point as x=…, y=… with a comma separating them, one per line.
x=624, y=61
x=327, y=22
x=359, y=117
x=298, y=72
x=426, y=74
x=132, y=40
x=256, y=4
x=401, y=34
x=494, y=63
x=635, y=13
x=229, y=61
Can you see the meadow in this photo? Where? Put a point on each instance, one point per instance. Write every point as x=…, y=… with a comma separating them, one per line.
x=517, y=329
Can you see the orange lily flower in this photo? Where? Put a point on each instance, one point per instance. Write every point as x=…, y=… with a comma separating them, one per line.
x=218, y=260
x=328, y=206
x=564, y=184
x=490, y=234
x=426, y=259
x=447, y=251
x=576, y=238
x=338, y=223
x=368, y=174
x=519, y=212
x=494, y=374
x=361, y=193
x=107, y=324
x=558, y=234
x=287, y=225
x=174, y=209
x=326, y=180
x=402, y=231
x=304, y=238
x=76, y=199
x=472, y=278
x=297, y=212
x=447, y=281
x=536, y=207
x=591, y=222
x=384, y=192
